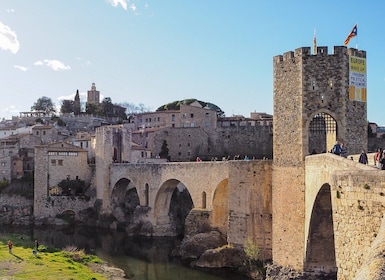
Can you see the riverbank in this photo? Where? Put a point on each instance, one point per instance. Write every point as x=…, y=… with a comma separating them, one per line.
x=23, y=262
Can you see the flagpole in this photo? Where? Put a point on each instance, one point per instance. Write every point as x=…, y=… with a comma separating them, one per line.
x=357, y=36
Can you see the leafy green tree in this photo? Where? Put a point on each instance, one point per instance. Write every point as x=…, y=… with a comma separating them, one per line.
x=44, y=104
x=107, y=107
x=176, y=106
x=164, y=151
x=92, y=109
x=71, y=187
x=67, y=106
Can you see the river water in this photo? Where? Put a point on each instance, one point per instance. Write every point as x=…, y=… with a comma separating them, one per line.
x=141, y=258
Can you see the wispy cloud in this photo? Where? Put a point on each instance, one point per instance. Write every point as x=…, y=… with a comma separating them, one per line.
x=10, y=111
x=54, y=64
x=116, y=3
x=21, y=68
x=82, y=95
x=10, y=11
x=8, y=39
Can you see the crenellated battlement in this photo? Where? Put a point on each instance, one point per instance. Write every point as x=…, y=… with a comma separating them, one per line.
x=321, y=51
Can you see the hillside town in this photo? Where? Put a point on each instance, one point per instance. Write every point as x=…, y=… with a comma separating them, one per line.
x=183, y=133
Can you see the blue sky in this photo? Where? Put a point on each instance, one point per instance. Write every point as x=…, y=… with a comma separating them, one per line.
x=155, y=52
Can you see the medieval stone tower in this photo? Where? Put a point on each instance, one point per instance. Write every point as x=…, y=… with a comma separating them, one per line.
x=113, y=144
x=318, y=99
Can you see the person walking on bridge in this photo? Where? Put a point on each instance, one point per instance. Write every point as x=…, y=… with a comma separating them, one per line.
x=363, y=158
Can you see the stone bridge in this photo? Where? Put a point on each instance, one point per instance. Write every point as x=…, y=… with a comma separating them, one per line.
x=236, y=195
x=344, y=203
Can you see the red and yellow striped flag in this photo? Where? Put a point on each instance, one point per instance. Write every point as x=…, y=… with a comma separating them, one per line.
x=352, y=34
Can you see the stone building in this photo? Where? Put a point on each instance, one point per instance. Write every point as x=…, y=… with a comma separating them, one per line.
x=315, y=104
x=54, y=163
x=47, y=133
x=18, y=150
x=195, y=131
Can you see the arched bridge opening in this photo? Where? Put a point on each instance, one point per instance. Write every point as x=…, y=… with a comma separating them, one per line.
x=320, y=249
x=67, y=215
x=173, y=202
x=220, y=214
x=125, y=201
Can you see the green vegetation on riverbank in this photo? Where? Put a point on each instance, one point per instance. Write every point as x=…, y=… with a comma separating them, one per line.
x=47, y=263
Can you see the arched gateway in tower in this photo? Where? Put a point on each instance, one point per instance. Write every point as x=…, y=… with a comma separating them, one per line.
x=318, y=99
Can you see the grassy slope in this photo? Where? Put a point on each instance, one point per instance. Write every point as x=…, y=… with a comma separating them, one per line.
x=47, y=264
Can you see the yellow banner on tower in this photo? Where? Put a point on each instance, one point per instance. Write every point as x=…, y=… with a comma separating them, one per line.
x=357, y=78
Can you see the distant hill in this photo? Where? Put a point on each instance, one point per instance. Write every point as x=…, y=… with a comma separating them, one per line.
x=176, y=106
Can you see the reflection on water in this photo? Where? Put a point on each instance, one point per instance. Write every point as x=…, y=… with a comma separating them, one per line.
x=140, y=257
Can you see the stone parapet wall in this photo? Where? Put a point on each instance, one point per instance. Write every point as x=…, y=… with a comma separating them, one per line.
x=51, y=206
x=357, y=194
x=16, y=210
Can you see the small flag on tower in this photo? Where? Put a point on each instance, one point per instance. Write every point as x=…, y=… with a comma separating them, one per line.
x=352, y=34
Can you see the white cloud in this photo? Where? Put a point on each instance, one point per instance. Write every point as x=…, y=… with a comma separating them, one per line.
x=10, y=111
x=21, y=68
x=115, y=3
x=10, y=11
x=54, y=64
x=82, y=95
x=133, y=7
x=8, y=39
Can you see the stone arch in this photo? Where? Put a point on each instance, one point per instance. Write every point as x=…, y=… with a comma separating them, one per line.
x=220, y=213
x=146, y=195
x=172, y=204
x=68, y=215
x=204, y=200
x=322, y=129
x=124, y=201
x=320, y=249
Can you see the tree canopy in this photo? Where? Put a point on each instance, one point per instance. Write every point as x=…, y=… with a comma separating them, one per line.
x=44, y=104
x=176, y=106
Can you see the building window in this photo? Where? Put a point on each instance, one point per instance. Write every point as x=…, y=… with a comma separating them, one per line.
x=173, y=117
x=191, y=115
x=207, y=124
x=184, y=116
x=207, y=115
x=43, y=132
x=53, y=162
x=192, y=124
x=68, y=177
x=3, y=163
x=37, y=132
x=158, y=119
x=60, y=162
x=173, y=125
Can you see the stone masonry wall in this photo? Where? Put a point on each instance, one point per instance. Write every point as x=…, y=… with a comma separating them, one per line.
x=250, y=205
x=358, y=213
x=288, y=165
